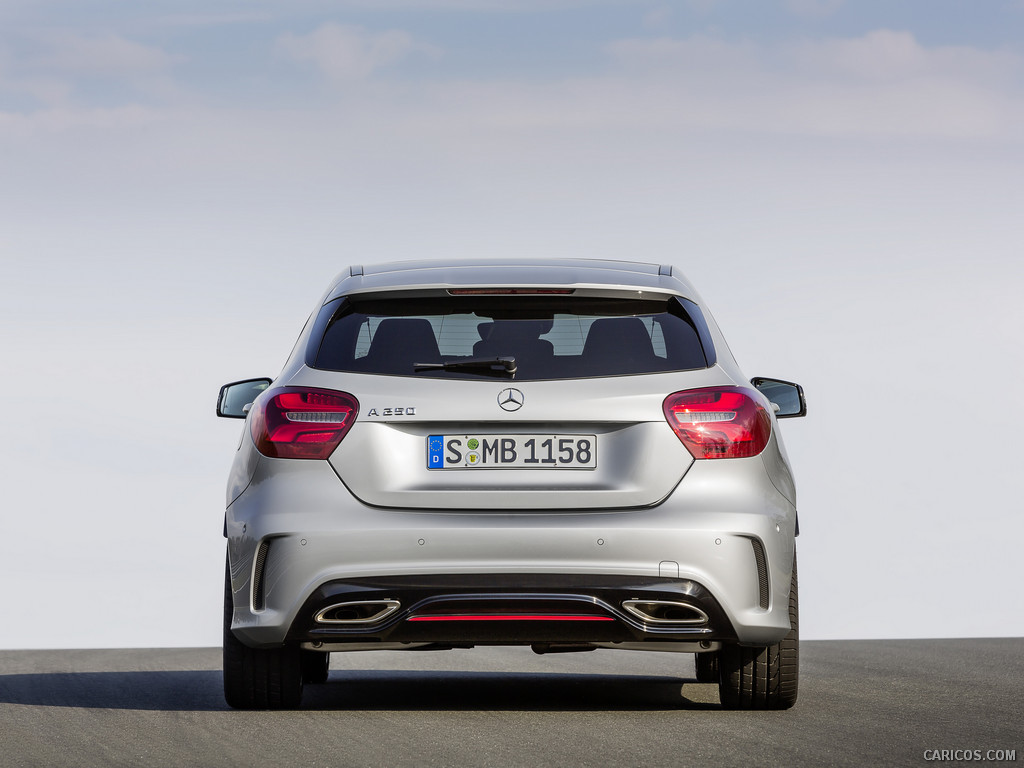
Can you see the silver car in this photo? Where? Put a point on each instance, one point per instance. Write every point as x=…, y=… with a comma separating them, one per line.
x=561, y=454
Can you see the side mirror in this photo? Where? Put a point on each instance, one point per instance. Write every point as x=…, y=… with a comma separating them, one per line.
x=785, y=396
x=235, y=399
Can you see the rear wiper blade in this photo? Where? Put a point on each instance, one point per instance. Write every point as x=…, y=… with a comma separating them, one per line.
x=488, y=366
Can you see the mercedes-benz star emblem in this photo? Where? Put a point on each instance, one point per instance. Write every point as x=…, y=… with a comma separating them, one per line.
x=511, y=399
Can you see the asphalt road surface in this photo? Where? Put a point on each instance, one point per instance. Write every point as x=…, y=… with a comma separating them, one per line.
x=861, y=703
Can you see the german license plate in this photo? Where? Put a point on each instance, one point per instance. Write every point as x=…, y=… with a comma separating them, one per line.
x=512, y=451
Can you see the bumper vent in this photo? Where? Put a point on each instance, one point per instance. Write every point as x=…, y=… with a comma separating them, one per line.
x=258, y=603
x=762, y=573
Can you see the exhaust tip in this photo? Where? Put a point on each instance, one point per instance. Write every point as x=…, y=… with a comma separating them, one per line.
x=665, y=612
x=357, y=612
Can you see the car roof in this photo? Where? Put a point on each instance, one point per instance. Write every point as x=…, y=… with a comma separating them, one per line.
x=511, y=273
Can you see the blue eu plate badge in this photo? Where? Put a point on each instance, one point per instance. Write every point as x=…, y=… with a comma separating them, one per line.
x=435, y=452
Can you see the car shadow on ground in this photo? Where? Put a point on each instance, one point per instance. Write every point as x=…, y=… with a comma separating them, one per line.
x=371, y=690
x=161, y=691
x=428, y=690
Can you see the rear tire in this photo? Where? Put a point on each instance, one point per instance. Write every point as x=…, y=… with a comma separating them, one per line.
x=763, y=678
x=256, y=678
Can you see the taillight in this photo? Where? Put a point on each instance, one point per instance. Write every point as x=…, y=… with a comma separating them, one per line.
x=300, y=423
x=719, y=422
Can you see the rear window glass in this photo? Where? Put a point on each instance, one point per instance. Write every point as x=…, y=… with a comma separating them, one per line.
x=549, y=337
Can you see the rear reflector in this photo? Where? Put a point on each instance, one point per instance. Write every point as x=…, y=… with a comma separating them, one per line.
x=719, y=422
x=299, y=423
x=510, y=617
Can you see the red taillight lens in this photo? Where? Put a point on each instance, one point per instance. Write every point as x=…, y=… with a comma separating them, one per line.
x=719, y=422
x=299, y=423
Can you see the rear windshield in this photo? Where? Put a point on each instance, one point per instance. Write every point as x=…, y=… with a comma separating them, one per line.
x=549, y=337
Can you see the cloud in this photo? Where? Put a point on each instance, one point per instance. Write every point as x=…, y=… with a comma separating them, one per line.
x=884, y=83
x=208, y=19
x=894, y=56
x=472, y=6
x=57, y=65
x=347, y=53
x=702, y=7
x=102, y=54
x=658, y=17
x=813, y=8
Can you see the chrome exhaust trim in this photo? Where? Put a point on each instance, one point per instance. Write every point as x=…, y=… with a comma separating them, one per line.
x=357, y=612
x=665, y=612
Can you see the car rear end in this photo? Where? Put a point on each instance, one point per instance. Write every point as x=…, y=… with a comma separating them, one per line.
x=559, y=454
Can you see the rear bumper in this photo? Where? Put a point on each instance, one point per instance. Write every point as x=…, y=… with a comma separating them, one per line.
x=723, y=541
x=479, y=609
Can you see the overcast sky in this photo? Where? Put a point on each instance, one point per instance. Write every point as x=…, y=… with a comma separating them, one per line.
x=843, y=181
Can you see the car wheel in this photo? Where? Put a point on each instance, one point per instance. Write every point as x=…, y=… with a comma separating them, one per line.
x=763, y=678
x=315, y=665
x=707, y=666
x=256, y=678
